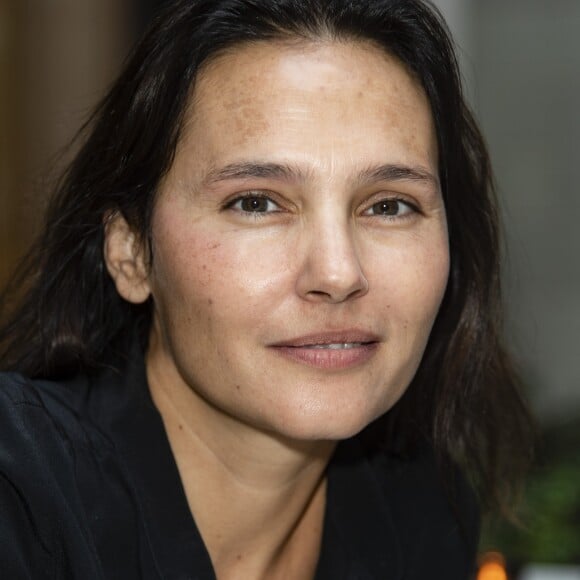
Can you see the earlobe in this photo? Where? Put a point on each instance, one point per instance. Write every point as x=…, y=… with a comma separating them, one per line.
x=125, y=259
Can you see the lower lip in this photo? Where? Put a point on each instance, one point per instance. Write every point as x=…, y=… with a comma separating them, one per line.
x=332, y=359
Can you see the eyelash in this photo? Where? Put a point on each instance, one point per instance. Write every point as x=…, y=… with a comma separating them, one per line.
x=252, y=195
x=410, y=208
x=231, y=205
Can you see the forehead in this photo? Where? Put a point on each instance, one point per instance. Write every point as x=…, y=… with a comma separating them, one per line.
x=308, y=99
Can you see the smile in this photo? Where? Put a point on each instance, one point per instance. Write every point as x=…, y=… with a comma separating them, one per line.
x=330, y=351
x=336, y=346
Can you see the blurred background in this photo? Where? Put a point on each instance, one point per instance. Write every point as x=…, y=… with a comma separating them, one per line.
x=521, y=66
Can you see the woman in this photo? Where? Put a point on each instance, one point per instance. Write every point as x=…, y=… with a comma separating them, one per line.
x=260, y=332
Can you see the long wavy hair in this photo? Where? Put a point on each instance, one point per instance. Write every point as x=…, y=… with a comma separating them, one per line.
x=465, y=396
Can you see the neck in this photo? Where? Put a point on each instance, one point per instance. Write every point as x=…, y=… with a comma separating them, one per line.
x=258, y=500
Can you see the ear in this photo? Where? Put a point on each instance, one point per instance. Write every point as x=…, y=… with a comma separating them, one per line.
x=125, y=259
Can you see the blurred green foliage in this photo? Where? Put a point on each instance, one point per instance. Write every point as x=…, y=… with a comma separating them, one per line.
x=550, y=510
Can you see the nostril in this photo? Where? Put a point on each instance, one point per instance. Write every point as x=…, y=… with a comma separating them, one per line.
x=331, y=270
x=338, y=294
x=319, y=293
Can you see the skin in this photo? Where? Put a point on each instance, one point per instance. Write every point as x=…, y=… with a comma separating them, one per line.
x=230, y=284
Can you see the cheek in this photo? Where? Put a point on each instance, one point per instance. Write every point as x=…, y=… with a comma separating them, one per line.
x=412, y=279
x=217, y=275
x=428, y=278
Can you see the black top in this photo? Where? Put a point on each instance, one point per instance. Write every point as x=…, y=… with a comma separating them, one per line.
x=89, y=490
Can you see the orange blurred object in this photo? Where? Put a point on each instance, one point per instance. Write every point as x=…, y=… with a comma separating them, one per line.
x=492, y=567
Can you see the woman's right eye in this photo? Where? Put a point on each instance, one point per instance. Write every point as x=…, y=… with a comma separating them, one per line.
x=253, y=204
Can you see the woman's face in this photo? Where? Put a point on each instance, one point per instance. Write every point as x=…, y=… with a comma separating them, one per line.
x=299, y=241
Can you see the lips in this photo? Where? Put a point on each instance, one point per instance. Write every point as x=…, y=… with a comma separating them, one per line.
x=336, y=346
x=325, y=339
x=330, y=350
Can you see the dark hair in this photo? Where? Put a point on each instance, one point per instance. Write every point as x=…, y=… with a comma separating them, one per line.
x=464, y=398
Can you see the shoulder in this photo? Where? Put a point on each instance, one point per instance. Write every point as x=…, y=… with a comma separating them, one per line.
x=436, y=514
x=46, y=428
x=25, y=421
x=39, y=436
x=38, y=414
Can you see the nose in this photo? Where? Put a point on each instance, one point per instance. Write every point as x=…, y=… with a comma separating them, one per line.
x=331, y=269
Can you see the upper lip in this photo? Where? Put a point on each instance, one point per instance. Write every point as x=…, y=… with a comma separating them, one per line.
x=330, y=337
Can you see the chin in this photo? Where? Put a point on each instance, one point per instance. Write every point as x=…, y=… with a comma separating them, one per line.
x=325, y=424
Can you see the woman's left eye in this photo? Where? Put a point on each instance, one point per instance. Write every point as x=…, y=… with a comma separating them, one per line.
x=253, y=204
x=390, y=208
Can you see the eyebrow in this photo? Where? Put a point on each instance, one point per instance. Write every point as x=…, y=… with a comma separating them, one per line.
x=287, y=172
x=395, y=172
x=249, y=169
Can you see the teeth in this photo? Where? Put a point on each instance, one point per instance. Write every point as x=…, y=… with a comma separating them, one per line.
x=336, y=346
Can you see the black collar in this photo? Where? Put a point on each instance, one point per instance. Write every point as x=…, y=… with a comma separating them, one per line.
x=359, y=538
